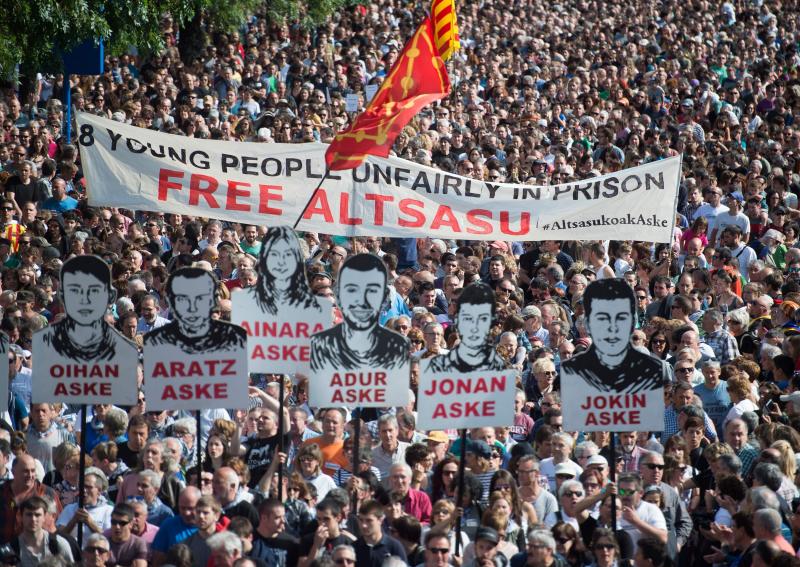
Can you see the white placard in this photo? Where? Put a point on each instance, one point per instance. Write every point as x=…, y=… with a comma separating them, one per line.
x=280, y=313
x=358, y=363
x=370, y=91
x=351, y=102
x=195, y=362
x=469, y=386
x=82, y=359
x=612, y=386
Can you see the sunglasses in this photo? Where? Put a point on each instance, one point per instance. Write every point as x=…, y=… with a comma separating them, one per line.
x=654, y=466
x=439, y=550
x=571, y=493
x=98, y=550
x=604, y=546
x=120, y=522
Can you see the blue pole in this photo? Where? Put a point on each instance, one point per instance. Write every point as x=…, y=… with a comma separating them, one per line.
x=68, y=104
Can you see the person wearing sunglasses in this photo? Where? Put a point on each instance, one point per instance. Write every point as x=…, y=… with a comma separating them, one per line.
x=605, y=548
x=640, y=519
x=679, y=523
x=437, y=549
x=126, y=548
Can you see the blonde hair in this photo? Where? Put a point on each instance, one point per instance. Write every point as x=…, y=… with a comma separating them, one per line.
x=788, y=464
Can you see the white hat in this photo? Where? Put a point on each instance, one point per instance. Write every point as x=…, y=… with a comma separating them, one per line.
x=597, y=460
x=565, y=468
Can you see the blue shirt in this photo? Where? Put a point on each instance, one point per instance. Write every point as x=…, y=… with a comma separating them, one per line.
x=62, y=206
x=172, y=530
x=716, y=402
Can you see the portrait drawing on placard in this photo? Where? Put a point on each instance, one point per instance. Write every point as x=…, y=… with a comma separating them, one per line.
x=84, y=335
x=191, y=295
x=282, y=286
x=611, y=365
x=474, y=318
x=359, y=342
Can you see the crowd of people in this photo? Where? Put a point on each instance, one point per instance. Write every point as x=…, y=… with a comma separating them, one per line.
x=543, y=93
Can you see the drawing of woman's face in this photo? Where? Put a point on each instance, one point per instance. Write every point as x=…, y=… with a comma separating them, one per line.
x=281, y=260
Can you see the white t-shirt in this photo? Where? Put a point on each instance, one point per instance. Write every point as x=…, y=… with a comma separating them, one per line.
x=726, y=219
x=710, y=212
x=650, y=514
x=744, y=255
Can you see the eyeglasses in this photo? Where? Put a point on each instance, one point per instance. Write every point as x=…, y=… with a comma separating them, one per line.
x=654, y=466
x=571, y=493
x=98, y=550
x=344, y=561
x=626, y=492
x=439, y=550
x=659, y=341
x=548, y=373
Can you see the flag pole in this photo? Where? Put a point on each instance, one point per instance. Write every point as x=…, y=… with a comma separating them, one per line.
x=311, y=198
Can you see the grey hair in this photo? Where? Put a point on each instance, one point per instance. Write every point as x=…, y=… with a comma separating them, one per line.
x=762, y=497
x=102, y=479
x=542, y=537
x=393, y=561
x=731, y=463
x=741, y=316
x=151, y=476
x=555, y=271
x=185, y=424
x=94, y=539
x=587, y=446
x=770, y=350
x=715, y=315
x=227, y=542
x=345, y=547
x=404, y=466
x=565, y=437
x=569, y=485
x=769, y=519
x=769, y=475
x=387, y=418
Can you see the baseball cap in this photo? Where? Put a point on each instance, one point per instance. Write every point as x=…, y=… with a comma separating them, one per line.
x=480, y=448
x=487, y=534
x=499, y=244
x=438, y=437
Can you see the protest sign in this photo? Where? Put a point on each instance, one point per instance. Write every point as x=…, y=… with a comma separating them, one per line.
x=358, y=363
x=470, y=386
x=270, y=184
x=612, y=386
x=280, y=313
x=195, y=362
x=351, y=103
x=82, y=359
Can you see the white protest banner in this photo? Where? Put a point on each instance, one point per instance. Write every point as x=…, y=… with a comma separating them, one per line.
x=280, y=313
x=469, y=386
x=358, y=363
x=612, y=386
x=269, y=184
x=195, y=362
x=82, y=359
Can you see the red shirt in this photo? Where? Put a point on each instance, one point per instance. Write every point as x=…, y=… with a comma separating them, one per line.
x=418, y=504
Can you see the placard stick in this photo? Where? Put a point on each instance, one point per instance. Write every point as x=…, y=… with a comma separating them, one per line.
x=462, y=465
x=281, y=395
x=311, y=198
x=356, y=449
x=612, y=475
x=82, y=472
x=199, y=450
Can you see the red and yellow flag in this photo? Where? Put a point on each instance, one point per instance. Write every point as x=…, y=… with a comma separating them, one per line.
x=445, y=28
x=417, y=79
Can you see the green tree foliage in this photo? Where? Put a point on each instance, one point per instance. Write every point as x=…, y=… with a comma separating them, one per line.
x=33, y=31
